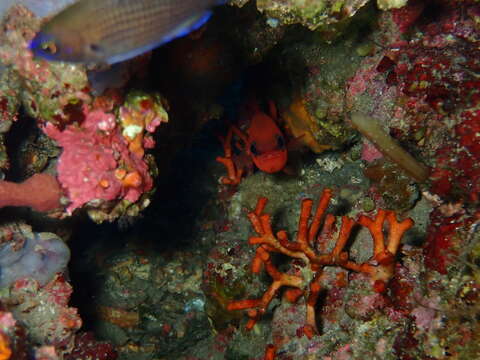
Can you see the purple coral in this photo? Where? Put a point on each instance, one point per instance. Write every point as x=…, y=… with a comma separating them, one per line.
x=32, y=255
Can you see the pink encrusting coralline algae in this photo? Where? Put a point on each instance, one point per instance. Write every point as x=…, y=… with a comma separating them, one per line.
x=96, y=163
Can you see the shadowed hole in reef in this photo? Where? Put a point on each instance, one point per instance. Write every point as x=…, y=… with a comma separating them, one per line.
x=188, y=180
x=167, y=225
x=22, y=135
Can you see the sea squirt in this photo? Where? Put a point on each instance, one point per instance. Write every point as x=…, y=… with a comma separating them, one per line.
x=39, y=256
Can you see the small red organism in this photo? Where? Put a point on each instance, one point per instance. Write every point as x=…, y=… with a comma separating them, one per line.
x=263, y=143
x=460, y=178
x=86, y=347
x=444, y=240
x=406, y=16
x=307, y=282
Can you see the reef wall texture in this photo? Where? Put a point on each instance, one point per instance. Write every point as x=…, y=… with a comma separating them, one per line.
x=315, y=14
x=364, y=243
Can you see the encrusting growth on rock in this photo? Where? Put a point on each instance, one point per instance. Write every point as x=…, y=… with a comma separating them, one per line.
x=380, y=267
x=41, y=192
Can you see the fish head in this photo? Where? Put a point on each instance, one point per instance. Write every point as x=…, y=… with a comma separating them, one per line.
x=267, y=144
x=271, y=161
x=63, y=45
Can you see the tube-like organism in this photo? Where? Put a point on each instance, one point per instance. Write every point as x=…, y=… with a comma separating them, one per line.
x=370, y=128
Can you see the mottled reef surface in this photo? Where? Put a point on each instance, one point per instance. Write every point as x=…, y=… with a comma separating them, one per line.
x=293, y=180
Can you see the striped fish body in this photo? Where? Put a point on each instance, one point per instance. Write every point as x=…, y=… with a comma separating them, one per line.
x=110, y=31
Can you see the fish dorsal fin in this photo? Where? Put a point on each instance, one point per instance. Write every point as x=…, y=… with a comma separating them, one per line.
x=184, y=28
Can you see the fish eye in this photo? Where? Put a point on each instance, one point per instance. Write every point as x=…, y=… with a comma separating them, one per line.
x=253, y=149
x=280, y=142
x=95, y=48
x=49, y=47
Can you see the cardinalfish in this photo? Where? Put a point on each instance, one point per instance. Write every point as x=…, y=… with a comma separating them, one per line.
x=111, y=31
x=265, y=142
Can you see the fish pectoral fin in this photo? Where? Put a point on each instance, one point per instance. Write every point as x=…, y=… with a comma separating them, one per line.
x=97, y=66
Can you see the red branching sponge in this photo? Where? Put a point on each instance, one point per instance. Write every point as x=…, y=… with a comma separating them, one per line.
x=380, y=267
x=234, y=172
x=41, y=192
x=270, y=352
